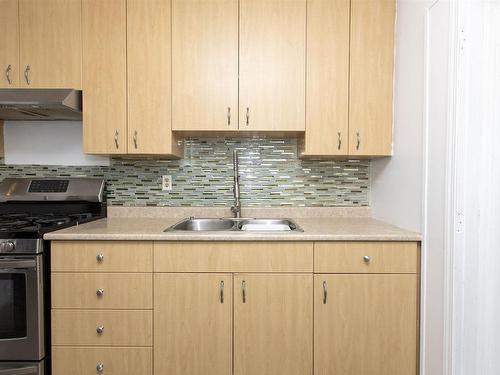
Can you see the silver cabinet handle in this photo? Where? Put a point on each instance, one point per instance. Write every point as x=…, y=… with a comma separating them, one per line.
x=7, y=74
x=339, y=142
x=222, y=291
x=367, y=259
x=27, y=74
x=116, y=139
x=100, y=258
x=135, y=139
x=100, y=330
x=358, y=140
x=325, y=292
x=99, y=292
x=248, y=116
x=244, y=291
x=228, y=116
x=100, y=367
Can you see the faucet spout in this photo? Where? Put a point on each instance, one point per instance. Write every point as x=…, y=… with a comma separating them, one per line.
x=236, y=209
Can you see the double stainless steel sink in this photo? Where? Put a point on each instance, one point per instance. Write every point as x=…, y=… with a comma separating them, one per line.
x=234, y=225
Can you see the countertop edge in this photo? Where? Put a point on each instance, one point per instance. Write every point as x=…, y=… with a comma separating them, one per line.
x=230, y=237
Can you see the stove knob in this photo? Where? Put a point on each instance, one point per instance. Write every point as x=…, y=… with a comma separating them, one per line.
x=7, y=247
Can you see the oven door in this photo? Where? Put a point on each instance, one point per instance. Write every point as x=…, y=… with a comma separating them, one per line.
x=21, y=309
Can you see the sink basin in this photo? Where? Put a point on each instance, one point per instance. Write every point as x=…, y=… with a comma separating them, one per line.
x=267, y=225
x=200, y=225
x=235, y=225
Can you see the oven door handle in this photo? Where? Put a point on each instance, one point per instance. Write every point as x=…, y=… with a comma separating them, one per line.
x=16, y=264
x=27, y=370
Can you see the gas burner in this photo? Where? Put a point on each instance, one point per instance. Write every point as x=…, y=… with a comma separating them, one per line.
x=52, y=221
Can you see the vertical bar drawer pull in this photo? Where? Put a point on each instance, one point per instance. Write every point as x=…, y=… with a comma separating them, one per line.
x=339, y=141
x=244, y=291
x=325, y=292
x=135, y=138
x=358, y=140
x=27, y=74
x=100, y=258
x=7, y=74
x=116, y=139
x=100, y=367
x=228, y=116
x=248, y=116
x=221, y=296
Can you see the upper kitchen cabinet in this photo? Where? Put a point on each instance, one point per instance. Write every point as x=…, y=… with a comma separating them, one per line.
x=50, y=53
x=272, y=65
x=349, y=84
x=327, y=81
x=104, y=76
x=371, y=77
x=205, y=65
x=127, y=78
x=149, y=78
x=9, y=43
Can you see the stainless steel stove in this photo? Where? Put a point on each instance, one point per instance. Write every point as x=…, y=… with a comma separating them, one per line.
x=29, y=208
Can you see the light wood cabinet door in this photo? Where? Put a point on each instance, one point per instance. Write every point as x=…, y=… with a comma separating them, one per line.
x=50, y=43
x=193, y=324
x=9, y=43
x=272, y=65
x=149, y=78
x=273, y=324
x=327, y=81
x=205, y=65
x=371, y=77
x=365, y=324
x=104, y=76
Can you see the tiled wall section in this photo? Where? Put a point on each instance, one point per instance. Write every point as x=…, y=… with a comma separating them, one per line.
x=271, y=175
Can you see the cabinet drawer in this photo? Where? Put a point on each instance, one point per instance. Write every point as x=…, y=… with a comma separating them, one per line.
x=366, y=257
x=120, y=328
x=102, y=290
x=114, y=361
x=102, y=256
x=233, y=256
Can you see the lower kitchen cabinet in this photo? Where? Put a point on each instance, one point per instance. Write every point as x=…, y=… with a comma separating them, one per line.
x=365, y=324
x=273, y=324
x=235, y=308
x=105, y=360
x=193, y=320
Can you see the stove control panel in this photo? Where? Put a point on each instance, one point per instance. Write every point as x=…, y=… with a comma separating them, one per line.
x=48, y=186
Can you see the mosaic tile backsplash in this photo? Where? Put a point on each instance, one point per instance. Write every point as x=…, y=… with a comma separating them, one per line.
x=270, y=175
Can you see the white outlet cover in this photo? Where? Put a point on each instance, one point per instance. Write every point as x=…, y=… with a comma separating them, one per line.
x=166, y=183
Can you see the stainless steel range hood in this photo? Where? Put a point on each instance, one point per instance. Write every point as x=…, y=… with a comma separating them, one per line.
x=40, y=104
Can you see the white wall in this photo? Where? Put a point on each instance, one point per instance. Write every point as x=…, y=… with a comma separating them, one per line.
x=47, y=143
x=398, y=193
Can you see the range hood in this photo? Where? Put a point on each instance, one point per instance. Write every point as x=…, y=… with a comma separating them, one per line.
x=40, y=104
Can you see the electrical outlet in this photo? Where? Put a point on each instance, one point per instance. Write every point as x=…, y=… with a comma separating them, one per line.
x=166, y=183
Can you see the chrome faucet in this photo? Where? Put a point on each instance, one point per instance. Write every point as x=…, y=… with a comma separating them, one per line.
x=236, y=209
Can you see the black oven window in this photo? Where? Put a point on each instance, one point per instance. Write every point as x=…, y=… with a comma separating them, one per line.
x=12, y=305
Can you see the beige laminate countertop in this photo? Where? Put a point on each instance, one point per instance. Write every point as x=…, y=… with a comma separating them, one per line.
x=315, y=229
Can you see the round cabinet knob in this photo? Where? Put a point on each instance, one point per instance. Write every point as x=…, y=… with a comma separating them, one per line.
x=100, y=258
x=7, y=247
x=99, y=292
x=100, y=367
x=367, y=259
x=100, y=330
